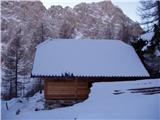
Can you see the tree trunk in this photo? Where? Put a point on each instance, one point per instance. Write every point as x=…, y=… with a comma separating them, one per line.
x=10, y=89
x=16, y=61
x=16, y=70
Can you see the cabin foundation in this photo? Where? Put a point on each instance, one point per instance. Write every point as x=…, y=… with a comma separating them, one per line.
x=51, y=104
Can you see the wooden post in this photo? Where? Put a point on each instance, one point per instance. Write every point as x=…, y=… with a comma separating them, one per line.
x=45, y=88
x=7, y=106
x=40, y=86
x=76, y=88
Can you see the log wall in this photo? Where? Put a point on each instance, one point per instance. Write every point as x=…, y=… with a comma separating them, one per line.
x=66, y=89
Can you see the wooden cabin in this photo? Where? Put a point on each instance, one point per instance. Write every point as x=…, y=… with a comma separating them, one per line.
x=66, y=89
x=69, y=67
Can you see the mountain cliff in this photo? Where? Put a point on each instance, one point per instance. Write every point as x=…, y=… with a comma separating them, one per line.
x=95, y=20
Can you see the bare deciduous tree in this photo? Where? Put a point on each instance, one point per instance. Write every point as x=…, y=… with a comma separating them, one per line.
x=149, y=12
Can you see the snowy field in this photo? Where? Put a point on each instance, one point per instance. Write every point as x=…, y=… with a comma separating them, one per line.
x=136, y=100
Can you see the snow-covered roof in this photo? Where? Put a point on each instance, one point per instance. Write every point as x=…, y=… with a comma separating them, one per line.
x=147, y=36
x=88, y=58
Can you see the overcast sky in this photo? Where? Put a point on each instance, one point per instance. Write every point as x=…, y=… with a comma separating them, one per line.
x=129, y=7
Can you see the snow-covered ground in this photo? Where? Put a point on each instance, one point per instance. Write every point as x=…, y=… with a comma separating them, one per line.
x=107, y=100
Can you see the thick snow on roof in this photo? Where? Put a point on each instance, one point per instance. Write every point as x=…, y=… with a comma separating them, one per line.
x=87, y=58
x=147, y=36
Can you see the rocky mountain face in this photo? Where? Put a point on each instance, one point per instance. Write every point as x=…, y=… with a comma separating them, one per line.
x=26, y=24
x=95, y=20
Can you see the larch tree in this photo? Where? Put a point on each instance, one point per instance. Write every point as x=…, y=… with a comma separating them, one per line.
x=12, y=58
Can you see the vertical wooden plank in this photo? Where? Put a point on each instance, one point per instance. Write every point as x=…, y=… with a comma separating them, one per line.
x=76, y=86
x=45, y=89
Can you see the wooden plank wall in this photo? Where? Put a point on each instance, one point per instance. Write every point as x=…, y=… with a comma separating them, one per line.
x=66, y=89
